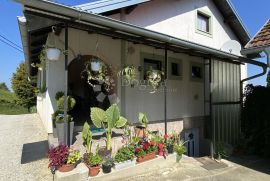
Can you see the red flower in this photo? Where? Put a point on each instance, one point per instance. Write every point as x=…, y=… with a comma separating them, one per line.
x=137, y=150
x=145, y=146
x=166, y=136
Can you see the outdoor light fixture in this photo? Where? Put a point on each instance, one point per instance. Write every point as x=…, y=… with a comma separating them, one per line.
x=95, y=66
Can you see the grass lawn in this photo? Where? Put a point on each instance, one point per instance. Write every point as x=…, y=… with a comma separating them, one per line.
x=7, y=105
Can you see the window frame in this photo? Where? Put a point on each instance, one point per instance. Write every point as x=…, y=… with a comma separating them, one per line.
x=179, y=62
x=210, y=23
x=201, y=65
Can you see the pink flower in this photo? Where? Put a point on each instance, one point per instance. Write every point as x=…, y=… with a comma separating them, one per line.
x=166, y=136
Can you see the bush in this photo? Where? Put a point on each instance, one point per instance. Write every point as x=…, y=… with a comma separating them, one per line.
x=124, y=154
x=256, y=120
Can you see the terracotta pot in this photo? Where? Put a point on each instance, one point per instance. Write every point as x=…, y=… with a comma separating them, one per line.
x=93, y=171
x=153, y=143
x=146, y=157
x=66, y=168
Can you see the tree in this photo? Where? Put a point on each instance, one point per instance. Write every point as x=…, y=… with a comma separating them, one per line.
x=268, y=79
x=23, y=87
x=3, y=86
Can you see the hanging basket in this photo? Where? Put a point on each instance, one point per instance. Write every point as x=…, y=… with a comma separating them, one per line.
x=53, y=54
x=155, y=78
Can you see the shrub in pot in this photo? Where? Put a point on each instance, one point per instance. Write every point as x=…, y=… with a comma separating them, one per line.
x=108, y=119
x=58, y=157
x=124, y=158
x=107, y=165
x=58, y=118
x=141, y=130
x=93, y=163
x=179, y=149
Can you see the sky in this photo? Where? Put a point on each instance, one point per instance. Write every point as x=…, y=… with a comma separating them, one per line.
x=253, y=13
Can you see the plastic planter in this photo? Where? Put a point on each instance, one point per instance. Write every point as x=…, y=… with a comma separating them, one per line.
x=125, y=164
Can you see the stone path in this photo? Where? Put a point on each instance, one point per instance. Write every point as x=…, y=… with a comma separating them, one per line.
x=23, y=143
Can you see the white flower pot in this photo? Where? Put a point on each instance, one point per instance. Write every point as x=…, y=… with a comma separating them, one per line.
x=53, y=54
x=95, y=66
x=125, y=164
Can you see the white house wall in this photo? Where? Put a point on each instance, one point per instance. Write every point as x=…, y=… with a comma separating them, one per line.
x=181, y=101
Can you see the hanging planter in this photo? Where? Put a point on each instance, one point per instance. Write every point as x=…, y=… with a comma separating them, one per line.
x=53, y=54
x=154, y=78
x=129, y=73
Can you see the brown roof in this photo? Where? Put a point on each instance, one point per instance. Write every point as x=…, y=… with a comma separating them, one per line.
x=262, y=38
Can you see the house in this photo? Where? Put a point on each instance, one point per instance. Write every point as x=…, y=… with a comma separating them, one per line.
x=195, y=43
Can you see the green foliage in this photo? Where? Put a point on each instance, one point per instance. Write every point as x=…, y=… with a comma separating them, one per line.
x=256, y=121
x=73, y=157
x=221, y=150
x=61, y=103
x=173, y=138
x=129, y=73
x=60, y=118
x=95, y=159
x=143, y=120
x=268, y=79
x=123, y=154
x=58, y=95
x=23, y=87
x=108, y=162
x=87, y=137
x=108, y=119
x=180, y=148
x=3, y=86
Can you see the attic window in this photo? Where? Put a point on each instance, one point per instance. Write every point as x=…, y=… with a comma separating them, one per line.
x=203, y=22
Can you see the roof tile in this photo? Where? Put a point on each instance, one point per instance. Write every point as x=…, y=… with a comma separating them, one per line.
x=262, y=38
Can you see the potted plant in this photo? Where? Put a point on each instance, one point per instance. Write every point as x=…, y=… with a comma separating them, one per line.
x=87, y=138
x=108, y=119
x=179, y=149
x=171, y=140
x=58, y=118
x=221, y=151
x=154, y=78
x=93, y=163
x=72, y=160
x=107, y=165
x=58, y=157
x=129, y=73
x=124, y=158
x=144, y=151
x=53, y=53
x=141, y=130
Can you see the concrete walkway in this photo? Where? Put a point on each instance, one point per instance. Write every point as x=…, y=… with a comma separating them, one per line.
x=23, y=148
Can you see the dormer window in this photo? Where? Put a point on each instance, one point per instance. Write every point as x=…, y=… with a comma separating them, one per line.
x=204, y=23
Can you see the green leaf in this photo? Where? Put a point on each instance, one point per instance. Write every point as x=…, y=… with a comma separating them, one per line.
x=143, y=119
x=97, y=116
x=112, y=115
x=121, y=122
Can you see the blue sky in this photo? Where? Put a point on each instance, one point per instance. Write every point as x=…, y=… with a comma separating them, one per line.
x=253, y=13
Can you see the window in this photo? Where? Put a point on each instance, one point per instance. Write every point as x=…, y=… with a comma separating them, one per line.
x=203, y=22
x=148, y=63
x=196, y=71
x=175, y=69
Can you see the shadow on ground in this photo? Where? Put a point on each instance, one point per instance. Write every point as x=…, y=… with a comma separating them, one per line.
x=34, y=151
x=253, y=162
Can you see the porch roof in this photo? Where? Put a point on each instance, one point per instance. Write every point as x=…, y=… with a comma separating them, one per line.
x=76, y=18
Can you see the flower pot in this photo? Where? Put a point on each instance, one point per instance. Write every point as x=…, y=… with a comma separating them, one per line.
x=125, y=164
x=146, y=157
x=170, y=149
x=178, y=158
x=61, y=129
x=218, y=157
x=66, y=168
x=95, y=66
x=106, y=168
x=93, y=171
x=53, y=54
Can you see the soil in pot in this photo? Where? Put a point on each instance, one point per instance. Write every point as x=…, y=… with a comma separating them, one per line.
x=93, y=171
x=106, y=168
x=104, y=153
x=66, y=168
